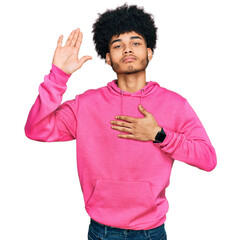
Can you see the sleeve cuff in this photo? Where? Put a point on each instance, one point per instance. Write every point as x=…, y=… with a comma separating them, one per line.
x=57, y=75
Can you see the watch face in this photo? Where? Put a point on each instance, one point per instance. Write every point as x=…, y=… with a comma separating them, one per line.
x=161, y=135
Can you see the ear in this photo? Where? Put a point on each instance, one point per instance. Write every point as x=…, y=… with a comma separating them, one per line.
x=149, y=53
x=107, y=58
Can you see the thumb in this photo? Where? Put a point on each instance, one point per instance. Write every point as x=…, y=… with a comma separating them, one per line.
x=82, y=60
x=143, y=110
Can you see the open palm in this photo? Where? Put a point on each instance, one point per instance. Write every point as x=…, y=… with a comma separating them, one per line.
x=66, y=57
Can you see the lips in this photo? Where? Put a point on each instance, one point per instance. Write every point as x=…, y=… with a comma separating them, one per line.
x=128, y=59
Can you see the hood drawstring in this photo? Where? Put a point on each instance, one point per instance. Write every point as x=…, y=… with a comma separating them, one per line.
x=142, y=90
x=140, y=103
x=122, y=94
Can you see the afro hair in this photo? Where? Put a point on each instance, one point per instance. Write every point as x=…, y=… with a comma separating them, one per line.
x=121, y=20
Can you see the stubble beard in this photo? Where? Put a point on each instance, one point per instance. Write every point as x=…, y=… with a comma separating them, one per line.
x=131, y=69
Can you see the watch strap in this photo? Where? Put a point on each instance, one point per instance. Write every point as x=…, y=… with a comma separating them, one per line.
x=160, y=136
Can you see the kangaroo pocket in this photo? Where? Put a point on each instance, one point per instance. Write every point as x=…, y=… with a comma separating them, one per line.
x=122, y=203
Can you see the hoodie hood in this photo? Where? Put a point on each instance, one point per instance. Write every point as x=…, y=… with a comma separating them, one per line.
x=148, y=89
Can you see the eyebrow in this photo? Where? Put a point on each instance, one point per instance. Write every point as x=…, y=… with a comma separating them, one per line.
x=119, y=40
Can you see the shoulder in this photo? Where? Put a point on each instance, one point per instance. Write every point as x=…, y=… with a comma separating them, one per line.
x=91, y=93
x=171, y=95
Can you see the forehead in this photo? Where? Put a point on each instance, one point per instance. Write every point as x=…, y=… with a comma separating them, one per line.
x=126, y=36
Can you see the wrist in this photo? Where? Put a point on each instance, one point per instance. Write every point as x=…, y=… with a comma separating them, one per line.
x=60, y=67
x=156, y=130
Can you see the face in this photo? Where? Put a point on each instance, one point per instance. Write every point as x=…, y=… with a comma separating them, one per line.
x=128, y=53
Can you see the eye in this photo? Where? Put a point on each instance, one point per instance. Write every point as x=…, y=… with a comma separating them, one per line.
x=136, y=43
x=117, y=46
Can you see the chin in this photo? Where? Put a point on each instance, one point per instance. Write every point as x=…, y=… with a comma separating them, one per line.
x=132, y=71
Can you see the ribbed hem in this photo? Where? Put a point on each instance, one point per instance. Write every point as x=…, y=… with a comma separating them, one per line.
x=144, y=226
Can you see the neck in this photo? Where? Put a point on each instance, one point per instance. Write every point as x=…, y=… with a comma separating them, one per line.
x=131, y=82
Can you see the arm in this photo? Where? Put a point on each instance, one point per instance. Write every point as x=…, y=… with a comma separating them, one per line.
x=48, y=120
x=190, y=144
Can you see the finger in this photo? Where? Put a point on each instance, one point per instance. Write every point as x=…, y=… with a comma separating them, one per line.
x=73, y=41
x=121, y=123
x=70, y=38
x=130, y=136
x=143, y=110
x=83, y=60
x=122, y=129
x=59, y=43
x=126, y=118
x=79, y=41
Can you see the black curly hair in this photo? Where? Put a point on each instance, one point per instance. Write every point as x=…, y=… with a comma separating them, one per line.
x=121, y=20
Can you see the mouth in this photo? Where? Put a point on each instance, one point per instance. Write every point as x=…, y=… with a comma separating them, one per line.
x=128, y=59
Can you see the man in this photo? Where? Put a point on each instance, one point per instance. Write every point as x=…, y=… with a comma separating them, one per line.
x=128, y=133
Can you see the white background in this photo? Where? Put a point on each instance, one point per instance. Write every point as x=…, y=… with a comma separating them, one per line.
x=198, y=55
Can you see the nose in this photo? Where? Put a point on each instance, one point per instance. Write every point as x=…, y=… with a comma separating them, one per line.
x=127, y=50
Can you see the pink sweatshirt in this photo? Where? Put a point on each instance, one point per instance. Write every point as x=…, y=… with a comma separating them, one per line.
x=123, y=180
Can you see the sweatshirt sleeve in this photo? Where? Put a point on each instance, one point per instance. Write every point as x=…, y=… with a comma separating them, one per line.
x=48, y=121
x=191, y=143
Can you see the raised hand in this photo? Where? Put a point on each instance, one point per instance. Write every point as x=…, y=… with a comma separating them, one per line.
x=66, y=57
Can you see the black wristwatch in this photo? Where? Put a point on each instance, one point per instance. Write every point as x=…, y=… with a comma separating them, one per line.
x=160, y=136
